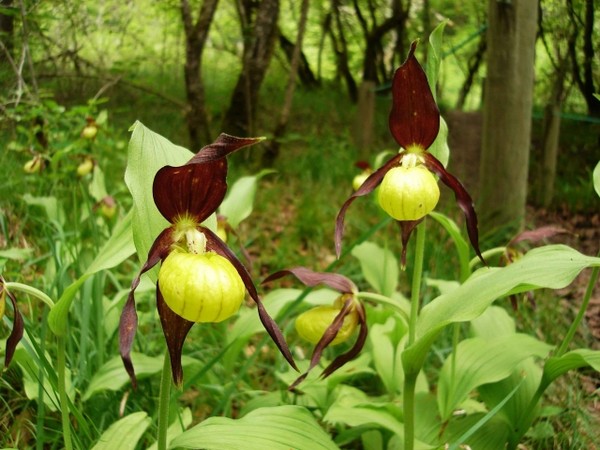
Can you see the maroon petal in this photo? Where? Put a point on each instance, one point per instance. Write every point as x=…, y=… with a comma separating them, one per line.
x=214, y=243
x=356, y=348
x=223, y=146
x=197, y=188
x=192, y=190
x=407, y=227
x=328, y=337
x=464, y=200
x=175, y=329
x=333, y=280
x=367, y=187
x=414, y=119
x=129, y=320
x=17, y=330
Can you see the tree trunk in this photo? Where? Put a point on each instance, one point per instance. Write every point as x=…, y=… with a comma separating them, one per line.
x=507, y=114
x=259, y=44
x=195, y=39
x=305, y=74
x=340, y=49
x=583, y=73
x=272, y=150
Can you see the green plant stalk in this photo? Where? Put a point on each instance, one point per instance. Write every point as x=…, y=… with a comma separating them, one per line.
x=408, y=406
x=529, y=415
x=31, y=291
x=417, y=278
x=164, y=402
x=62, y=391
x=580, y=314
x=410, y=378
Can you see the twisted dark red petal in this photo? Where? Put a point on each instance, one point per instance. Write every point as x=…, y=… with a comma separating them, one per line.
x=367, y=187
x=356, y=348
x=197, y=188
x=214, y=243
x=129, y=320
x=333, y=280
x=17, y=330
x=327, y=338
x=414, y=119
x=464, y=200
x=175, y=328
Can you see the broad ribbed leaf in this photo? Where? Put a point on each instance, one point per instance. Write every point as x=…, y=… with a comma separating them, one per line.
x=553, y=266
x=124, y=434
x=379, y=267
x=239, y=201
x=596, y=178
x=112, y=375
x=480, y=361
x=575, y=359
x=276, y=428
x=148, y=153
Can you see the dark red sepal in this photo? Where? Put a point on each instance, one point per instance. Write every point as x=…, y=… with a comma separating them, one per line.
x=17, y=330
x=464, y=200
x=356, y=348
x=309, y=278
x=406, y=227
x=327, y=338
x=367, y=187
x=197, y=188
x=129, y=320
x=214, y=243
x=414, y=119
x=175, y=328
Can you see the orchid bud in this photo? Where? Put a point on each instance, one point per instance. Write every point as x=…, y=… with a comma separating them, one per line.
x=201, y=287
x=408, y=193
x=34, y=165
x=312, y=324
x=85, y=167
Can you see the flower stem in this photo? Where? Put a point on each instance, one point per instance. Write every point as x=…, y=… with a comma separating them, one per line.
x=410, y=378
x=164, y=400
x=62, y=392
x=416, y=283
x=584, y=304
x=410, y=381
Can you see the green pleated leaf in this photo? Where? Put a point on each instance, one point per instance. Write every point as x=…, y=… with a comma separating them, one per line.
x=555, y=367
x=596, y=178
x=239, y=202
x=527, y=375
x=112, y=375
x=379, y=266
x=552, y=266
x=489, y=433
x=125, y=433
x=276, y=428
x=494, y=322
x=148, y=152
x=434, y=56
x=480, y=361
x=117, y=249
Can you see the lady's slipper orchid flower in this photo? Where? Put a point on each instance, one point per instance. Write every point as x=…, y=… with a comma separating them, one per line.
x=329, y=325
x=17, y=331
x=200, y=279
x=408, y=189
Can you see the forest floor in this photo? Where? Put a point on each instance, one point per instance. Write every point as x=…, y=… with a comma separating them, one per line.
x=583, y=227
